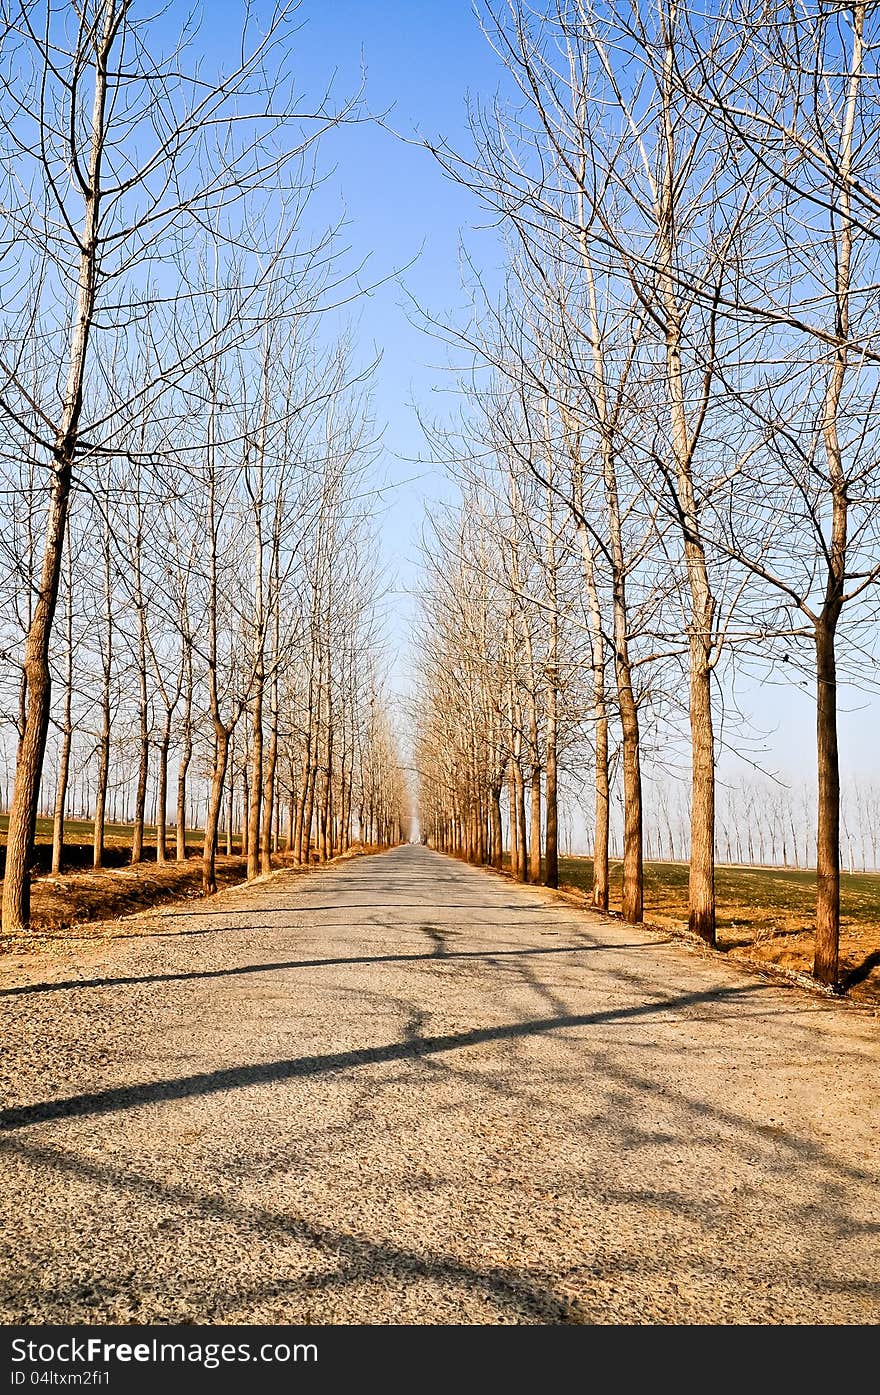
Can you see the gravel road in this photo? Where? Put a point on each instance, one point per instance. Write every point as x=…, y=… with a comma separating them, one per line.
x=402, y=1090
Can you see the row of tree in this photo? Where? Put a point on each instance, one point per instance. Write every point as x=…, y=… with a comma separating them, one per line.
x=768, y=823
x=761, y=822
x=187, y=540
x=669, y=448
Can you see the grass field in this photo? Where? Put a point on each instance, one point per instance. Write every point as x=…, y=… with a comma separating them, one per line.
x=764, y=913
x=78, y=842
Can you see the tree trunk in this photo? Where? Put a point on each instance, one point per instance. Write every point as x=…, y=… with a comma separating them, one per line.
x=28, y=770
x=182, y=768
x=599, y=896
x=633, y=878
x=137, y=837
x=633, y=871
x=517, y=838
x=600, y=715
x=212, y=819
x=551, y=684
x=701, y=884
x=825, y=962
x=32, y=747
x=103, y=772
x=551, y=832
x=521, y=821
x=551, y=840
x=60, y=796
x=301, y=811
x=291, y=819
x=162, y=793
x=253, y=852
x=496, y=827
x=245, y=813
x=514, y=825
x=308, y=815
x=269, y=796
x=325, y=799
x=826, y=953
x=67, y=733
x=185, y=758
x=535, y=825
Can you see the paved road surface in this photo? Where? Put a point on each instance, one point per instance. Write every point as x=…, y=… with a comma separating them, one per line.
x=404, y=1090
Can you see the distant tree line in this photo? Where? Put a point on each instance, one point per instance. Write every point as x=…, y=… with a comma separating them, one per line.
x=761, y=822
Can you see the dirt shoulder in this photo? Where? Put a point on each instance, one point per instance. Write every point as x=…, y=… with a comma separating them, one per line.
x=74, y=908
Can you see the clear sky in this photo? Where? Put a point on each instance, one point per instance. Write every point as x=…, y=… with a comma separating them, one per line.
x=421, y=58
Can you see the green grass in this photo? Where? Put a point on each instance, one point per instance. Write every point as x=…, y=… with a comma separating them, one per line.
x=78, y=836
x=82, y=831
x=764, y=896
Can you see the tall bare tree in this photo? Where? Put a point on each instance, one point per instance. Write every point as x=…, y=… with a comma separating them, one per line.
x=88, y=221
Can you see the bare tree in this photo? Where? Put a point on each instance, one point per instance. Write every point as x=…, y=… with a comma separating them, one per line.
x=88, y=221
x=809, y=519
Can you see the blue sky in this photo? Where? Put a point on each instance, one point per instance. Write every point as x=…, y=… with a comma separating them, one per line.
x=421, y=58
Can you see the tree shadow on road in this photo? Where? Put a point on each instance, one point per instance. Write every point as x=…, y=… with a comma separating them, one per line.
x=860, y=972
x=239, y=1077
x=274, y=966
x=530, y=1292
x=354, y=1258
x=642, y=1117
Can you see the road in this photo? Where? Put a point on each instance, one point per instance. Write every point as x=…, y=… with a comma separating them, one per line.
x=403, y=1090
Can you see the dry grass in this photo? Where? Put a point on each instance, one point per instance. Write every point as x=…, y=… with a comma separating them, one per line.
x=81, y=904
x=766, y=914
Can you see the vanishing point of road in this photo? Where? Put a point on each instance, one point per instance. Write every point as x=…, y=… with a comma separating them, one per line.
x=403, y=1090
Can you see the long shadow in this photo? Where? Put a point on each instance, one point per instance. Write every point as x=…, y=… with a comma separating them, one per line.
x=221, y=913
x=356, y=1256
x=239, y=1077
x=542, y=990
x=440, y=939
x=861, y=971
x=149, y=935
x=272, y=966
